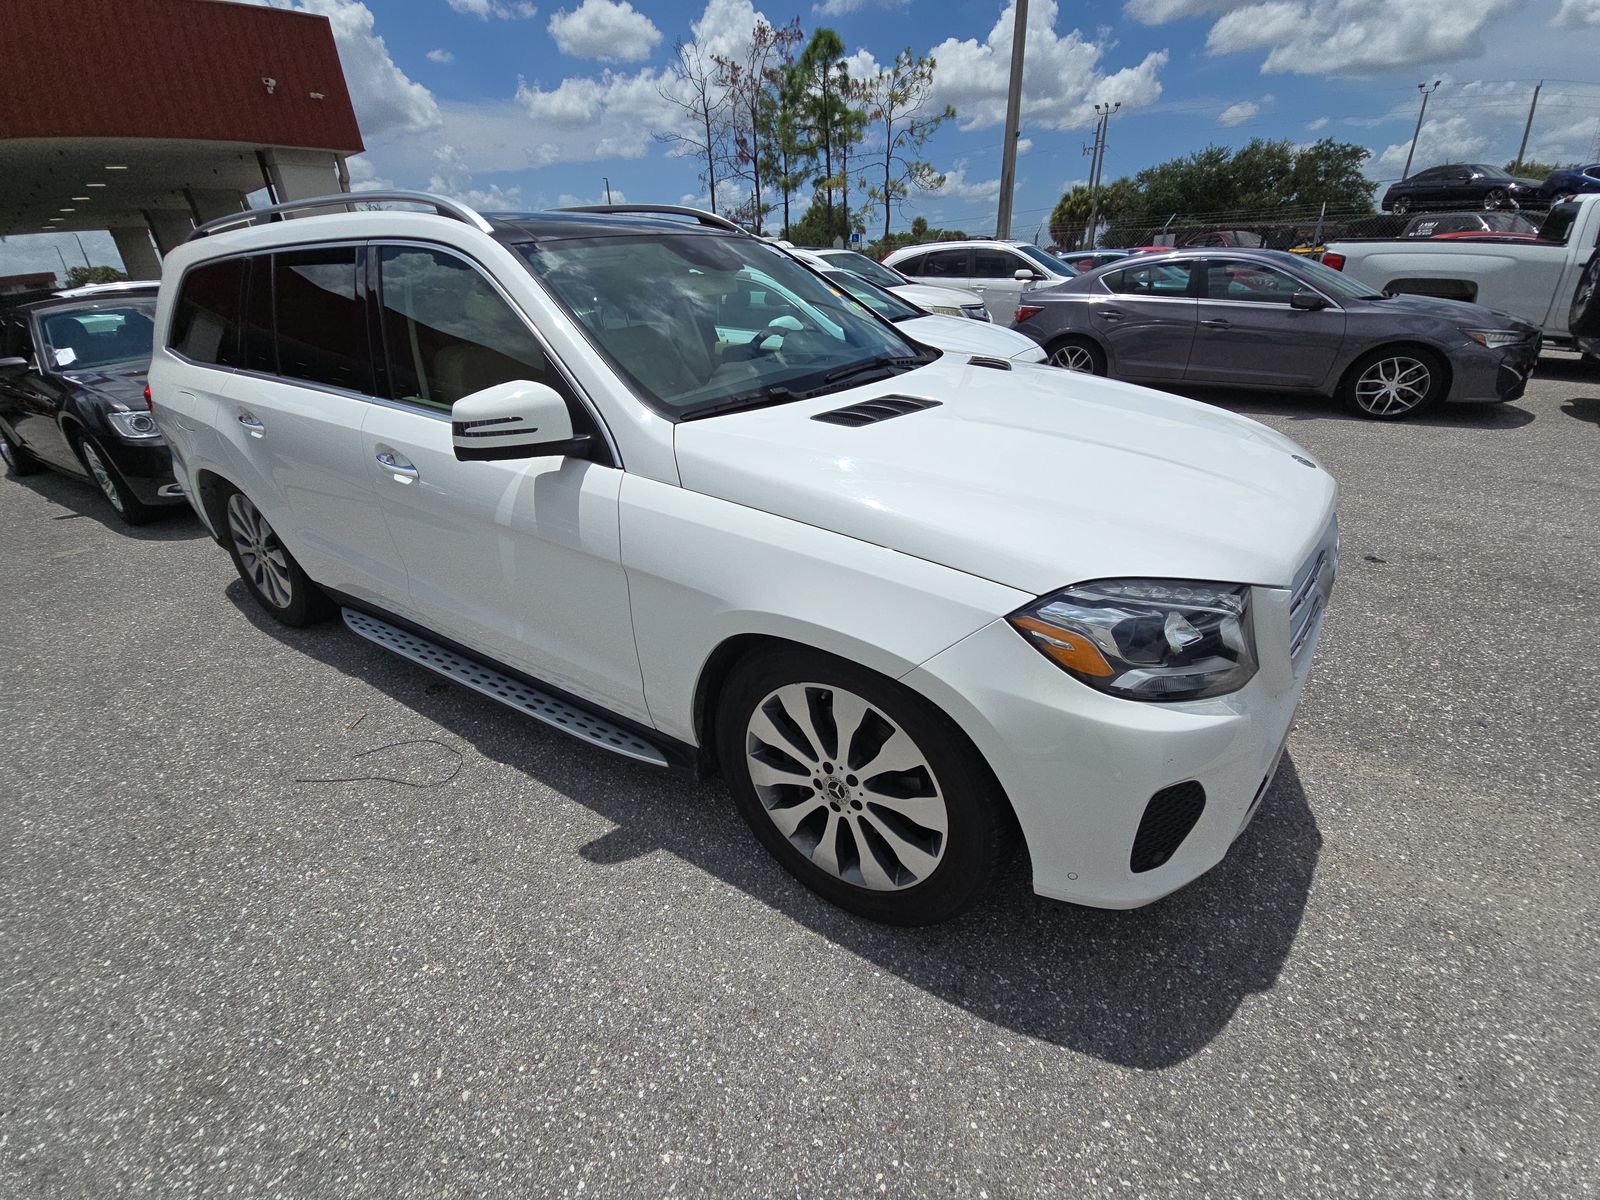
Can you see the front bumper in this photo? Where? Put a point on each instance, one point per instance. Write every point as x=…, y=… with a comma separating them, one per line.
x=145, y=466
x=1484, y=376
x=1084, y=770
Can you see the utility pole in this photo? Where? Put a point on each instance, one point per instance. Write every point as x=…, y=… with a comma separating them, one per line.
x=1426, y=92
x=1103, y=111
x=1526, y=129
x=1008, y=153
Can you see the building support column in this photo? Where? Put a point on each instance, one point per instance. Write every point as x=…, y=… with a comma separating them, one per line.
x=138, y=255
x=169, y=226
x=207, y=204
x=301, y=174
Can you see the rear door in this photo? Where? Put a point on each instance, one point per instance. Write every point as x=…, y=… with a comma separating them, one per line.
x=947, y=267
x=1146, y=320
x=1248, y=333
x=994, y=278
x=520, y=559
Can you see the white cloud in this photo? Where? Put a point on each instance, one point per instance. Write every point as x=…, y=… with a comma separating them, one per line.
x=839, y=8
x=364, y=176
x=386, y=99
x=1579, y=12
x=1338, y=37
x=1062, y=75
x=958, y=187
x=1024, y=145
x=607, y=30
x=442, y=57
x=1238, y=114
x=484, y=9
x=570, y=200
x=583, y=119
x=33, y=252
x=1442, y=140
x=1318, y=124
x=451, y=177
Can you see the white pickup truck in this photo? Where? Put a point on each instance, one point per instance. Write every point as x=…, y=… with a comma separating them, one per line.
x=1550, y=280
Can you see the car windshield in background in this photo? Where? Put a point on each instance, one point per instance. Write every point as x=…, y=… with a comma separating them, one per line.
x=1557, y=224
x=886, y=304
x=860, y=264
x=97, y=335
x=1042, y=260
x=1334, y=283
x=703, y=323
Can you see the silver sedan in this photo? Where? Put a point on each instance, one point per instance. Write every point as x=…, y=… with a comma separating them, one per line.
x=1269, y=319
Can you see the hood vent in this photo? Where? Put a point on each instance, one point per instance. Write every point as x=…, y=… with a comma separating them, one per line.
x=983, y=360
x=870, y=412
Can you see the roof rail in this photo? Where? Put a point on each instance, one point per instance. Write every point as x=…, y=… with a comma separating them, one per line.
x=442, y=205
x=672, y=210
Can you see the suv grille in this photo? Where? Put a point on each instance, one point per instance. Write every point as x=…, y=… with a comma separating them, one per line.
x=870, y=412
x=1168, y=818
x=1312, y=588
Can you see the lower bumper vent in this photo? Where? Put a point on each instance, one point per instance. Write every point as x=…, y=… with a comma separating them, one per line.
x=1168, y=818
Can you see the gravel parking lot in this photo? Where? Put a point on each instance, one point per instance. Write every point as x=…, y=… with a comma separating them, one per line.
x=283, y=915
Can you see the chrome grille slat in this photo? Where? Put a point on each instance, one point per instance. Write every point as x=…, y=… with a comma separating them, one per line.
x=1311, y=589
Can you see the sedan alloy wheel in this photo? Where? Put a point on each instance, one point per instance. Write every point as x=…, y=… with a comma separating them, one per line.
x=1394, y=385
x=1074, y=357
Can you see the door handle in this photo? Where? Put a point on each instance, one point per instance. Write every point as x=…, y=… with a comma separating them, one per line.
x=251, y=422
x=389, y=461
x=1110, y=314
x=1215, y=323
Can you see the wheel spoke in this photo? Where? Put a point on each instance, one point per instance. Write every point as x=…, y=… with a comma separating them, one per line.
x=826, y=852
x=791, y=818
x=926, y=812
x=915, y=860
x=765, y=773
x=873, y=873
x=898, y=755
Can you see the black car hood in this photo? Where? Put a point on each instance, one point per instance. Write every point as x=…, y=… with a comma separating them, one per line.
x=1459, y=311
x=119, y=384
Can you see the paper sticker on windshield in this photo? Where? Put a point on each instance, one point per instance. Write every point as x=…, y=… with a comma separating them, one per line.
x=66, y=356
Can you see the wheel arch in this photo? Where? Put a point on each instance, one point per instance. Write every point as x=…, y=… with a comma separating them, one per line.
x=1440, y=357
x=1056, y=340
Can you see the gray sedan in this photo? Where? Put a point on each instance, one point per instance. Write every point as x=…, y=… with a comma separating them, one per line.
x=1269, y=319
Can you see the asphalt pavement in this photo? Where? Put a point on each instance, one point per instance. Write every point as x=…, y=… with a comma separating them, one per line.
x=282, y=915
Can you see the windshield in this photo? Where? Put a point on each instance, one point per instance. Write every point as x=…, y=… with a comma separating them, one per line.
x=1041, y=259
x=701, y=323
x=1335, y=283
x=860, y=264
x=96, y=335
x=886, y=304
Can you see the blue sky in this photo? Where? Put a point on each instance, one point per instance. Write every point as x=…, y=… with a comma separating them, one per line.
x=528, y=103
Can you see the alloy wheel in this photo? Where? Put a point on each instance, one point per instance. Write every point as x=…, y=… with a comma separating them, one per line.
x=1401, y=206
x=1494, y=198
x=261, y=554
x=6, y=452
x=847, y=786
x=102, y=475
x=1391, y=386
x=1074, y=357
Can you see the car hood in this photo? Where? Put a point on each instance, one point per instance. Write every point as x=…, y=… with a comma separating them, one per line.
x=121, y=384
x=1034, y=478
x=962, y=335
x=1462, y=312
x=927, y=295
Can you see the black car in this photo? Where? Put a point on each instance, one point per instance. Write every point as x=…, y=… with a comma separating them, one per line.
x=72, y=396
x=1460, y=185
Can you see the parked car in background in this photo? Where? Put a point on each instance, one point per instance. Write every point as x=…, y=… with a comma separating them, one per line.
x=72, y=396
x=944, y=301
x=1459, y=185
x=1535, y=279
x=661, y=487
x=1571, y=181
x=1088, y=260
x=998, y=271
x=952, y=334
x=1245, y=238
x=1271, y=319
x=1469, y=224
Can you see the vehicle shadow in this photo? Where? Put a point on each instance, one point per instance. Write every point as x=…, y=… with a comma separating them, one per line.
x=84, y=501
x=1308, y=406
x=1568, y=369
x=1146, y=988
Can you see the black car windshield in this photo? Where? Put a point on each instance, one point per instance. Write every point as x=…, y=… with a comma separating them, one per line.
x=885, y=303
x=98, y=334
x=1335, y=283
x=860, y=264
x=703, y=323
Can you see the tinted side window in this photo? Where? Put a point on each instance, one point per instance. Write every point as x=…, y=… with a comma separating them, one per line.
x=205, y=318
x=448, y=333
x=912, y=265
x=1248, y=281
x=945, y=264
x=1164, y=279
x=995, y=264
x=260, y=350
x=14, y=339
x=321, y=319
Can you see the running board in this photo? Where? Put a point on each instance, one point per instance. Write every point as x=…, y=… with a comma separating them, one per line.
x=497, y=685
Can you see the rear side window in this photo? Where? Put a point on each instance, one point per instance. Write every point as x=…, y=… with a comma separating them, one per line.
x=1164, y=279
x=447, y=331
x=321, y=318
x=944, y=264
x=205, y=319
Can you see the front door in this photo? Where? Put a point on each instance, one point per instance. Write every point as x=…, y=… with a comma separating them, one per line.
x=519, y=560
x=34, y=398
x=1146, y=320
x=994, y=278
x=1249, y=333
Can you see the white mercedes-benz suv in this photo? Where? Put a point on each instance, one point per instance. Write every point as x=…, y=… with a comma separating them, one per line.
x=654, y=482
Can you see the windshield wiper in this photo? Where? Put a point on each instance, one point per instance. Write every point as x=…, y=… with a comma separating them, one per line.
x=880, y=365
x=761, y=397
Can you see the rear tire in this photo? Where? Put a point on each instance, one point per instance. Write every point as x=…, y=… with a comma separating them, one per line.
x=1392, y=383
x=17, y=460
x=1401, y=206
x=129, y=508
x=860, y=788
x=1583, y=318
x=1078, y=354
x=276, y=581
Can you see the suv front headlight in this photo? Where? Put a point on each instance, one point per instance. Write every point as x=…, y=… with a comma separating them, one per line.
x=1146, y=639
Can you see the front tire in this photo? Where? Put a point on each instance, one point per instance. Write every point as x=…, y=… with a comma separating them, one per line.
x=1583, y=317
x=1401, y=206
x=1392, y=383
x=17, y=460
x=274, y=578
x=1077, y=354
x=863, y=790
x=129, y=508
x=1495, y=198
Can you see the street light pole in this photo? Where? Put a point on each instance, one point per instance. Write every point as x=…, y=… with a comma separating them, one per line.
x=1008, y=153
x=1426, y=92
x=1104, y=112
x=1528, y=128
x=82, y=251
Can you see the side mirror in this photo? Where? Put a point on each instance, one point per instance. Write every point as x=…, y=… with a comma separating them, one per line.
x=11, y=365
x=1023, y=275
x=1307, y=301
x=515, y=419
